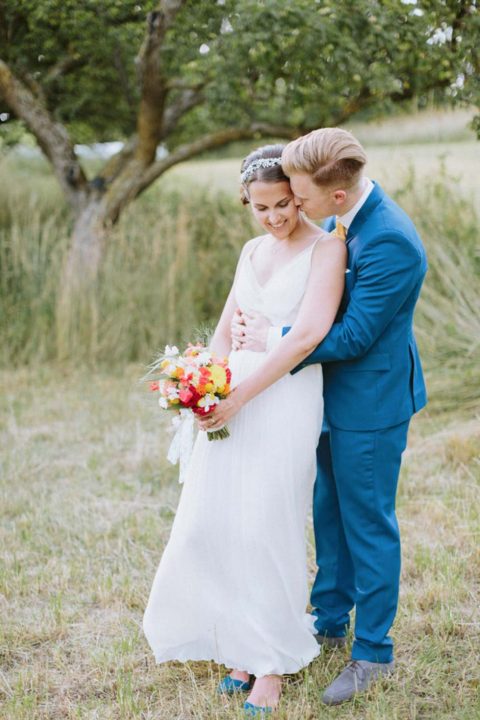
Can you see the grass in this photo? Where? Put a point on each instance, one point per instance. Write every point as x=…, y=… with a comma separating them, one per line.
x=87, y=502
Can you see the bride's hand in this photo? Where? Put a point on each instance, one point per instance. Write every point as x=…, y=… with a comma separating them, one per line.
x=249, y=331
x=223, y=412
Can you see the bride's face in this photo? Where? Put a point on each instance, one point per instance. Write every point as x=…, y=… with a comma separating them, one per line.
x=273, y=207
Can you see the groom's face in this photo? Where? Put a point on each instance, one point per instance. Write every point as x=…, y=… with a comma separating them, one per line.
x=316, y=202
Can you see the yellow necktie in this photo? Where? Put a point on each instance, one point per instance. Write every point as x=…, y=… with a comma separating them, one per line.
x=340, y=230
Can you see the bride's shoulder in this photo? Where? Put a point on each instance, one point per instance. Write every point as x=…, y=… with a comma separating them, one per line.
x=329, y=243
x=327, y=239
x=251, y=244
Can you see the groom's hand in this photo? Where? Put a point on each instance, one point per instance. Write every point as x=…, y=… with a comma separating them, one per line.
x=249, y=331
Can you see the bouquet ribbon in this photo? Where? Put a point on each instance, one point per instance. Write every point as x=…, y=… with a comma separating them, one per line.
x=181, y=446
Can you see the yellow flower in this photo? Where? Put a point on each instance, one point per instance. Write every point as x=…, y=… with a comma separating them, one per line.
x=218, y=375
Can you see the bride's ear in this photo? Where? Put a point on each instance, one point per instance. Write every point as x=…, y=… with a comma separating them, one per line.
x=244, y=196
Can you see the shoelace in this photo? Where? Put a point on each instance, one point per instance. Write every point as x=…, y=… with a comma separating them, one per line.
x=356, y=669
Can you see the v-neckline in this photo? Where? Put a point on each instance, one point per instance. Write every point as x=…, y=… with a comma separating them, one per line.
x=273, y=275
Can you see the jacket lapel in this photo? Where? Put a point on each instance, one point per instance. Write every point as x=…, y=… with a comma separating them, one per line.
x=372, y=201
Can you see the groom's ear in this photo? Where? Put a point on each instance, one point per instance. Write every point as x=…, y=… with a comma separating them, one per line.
x=339, y=197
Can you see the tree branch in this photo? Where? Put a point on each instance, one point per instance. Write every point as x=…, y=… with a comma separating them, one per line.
x=51, y=136
x=361, y=100
x=152, y=80
x=134, y=178
x=211, y=141
x=187, y=100
x=63, y=67
x=114, y=166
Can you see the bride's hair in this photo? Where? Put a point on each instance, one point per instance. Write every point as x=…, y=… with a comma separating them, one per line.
x=265, y=172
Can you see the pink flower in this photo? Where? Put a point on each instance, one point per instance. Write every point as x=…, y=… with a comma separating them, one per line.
x=185, y=396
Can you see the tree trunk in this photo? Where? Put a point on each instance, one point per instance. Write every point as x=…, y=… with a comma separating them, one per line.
x=78, y=303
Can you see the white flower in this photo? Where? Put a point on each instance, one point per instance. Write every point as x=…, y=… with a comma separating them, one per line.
x=171, y=351
x=163, y=402
x=204, y=358
x=170, y=369
x=208, y=401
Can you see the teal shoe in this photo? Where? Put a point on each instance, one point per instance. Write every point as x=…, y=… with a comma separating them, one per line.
x=256, y=710
x=230, y=686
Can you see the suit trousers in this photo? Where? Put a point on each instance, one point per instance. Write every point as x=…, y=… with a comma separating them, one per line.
x=357, y=536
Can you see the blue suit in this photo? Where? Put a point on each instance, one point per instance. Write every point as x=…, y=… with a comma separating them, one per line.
x=373, y=383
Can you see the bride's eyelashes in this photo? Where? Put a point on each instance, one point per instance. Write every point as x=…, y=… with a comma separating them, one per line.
x=282, y=204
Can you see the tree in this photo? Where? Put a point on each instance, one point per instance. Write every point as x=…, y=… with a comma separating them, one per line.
x=175, y=78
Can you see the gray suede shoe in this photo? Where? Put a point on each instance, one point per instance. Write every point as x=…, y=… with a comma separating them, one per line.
x=357, y=677
x=331, y=642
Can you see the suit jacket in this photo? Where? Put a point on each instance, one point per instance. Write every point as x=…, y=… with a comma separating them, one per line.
x=373, y=377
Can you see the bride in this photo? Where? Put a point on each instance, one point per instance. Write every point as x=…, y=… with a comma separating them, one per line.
x=232, y=583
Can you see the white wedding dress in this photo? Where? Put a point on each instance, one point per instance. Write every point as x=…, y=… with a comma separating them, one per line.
x=232, y=583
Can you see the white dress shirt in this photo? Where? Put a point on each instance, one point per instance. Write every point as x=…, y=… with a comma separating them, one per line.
x=348, y=217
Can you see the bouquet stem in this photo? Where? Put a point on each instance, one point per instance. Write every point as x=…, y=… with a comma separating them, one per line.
x=220, y=434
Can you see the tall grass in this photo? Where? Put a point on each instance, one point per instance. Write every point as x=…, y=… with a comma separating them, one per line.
x=448, y=315
x=169, y=264
x=166, y=271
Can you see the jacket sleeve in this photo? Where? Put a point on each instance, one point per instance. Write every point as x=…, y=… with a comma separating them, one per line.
x=388, y=269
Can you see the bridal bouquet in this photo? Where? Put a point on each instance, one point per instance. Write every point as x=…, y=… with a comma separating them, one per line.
x=191, y=383
x=195, y=381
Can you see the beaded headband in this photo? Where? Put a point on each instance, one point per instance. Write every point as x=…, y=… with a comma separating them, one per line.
x=257, y=164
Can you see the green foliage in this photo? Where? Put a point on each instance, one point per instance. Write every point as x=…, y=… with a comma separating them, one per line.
x=11, y=134
x=81, y=56
x=299, y=64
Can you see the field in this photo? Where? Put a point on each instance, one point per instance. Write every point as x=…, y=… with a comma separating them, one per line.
x=419, y=146
x=391, y=166
x=88, y=498
x=87, y=502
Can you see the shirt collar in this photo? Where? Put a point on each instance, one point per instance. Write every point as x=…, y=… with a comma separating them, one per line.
x=349, y=216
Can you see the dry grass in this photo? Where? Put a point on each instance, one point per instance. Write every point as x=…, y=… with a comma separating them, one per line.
x=87, y=502
x=421, y=126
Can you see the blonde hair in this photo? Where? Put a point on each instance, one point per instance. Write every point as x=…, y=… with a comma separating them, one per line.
x=331, y=156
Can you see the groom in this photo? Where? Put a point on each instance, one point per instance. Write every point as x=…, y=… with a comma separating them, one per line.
x=373, y=384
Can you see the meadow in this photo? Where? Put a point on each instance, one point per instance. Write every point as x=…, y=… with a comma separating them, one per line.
x=86, y=494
